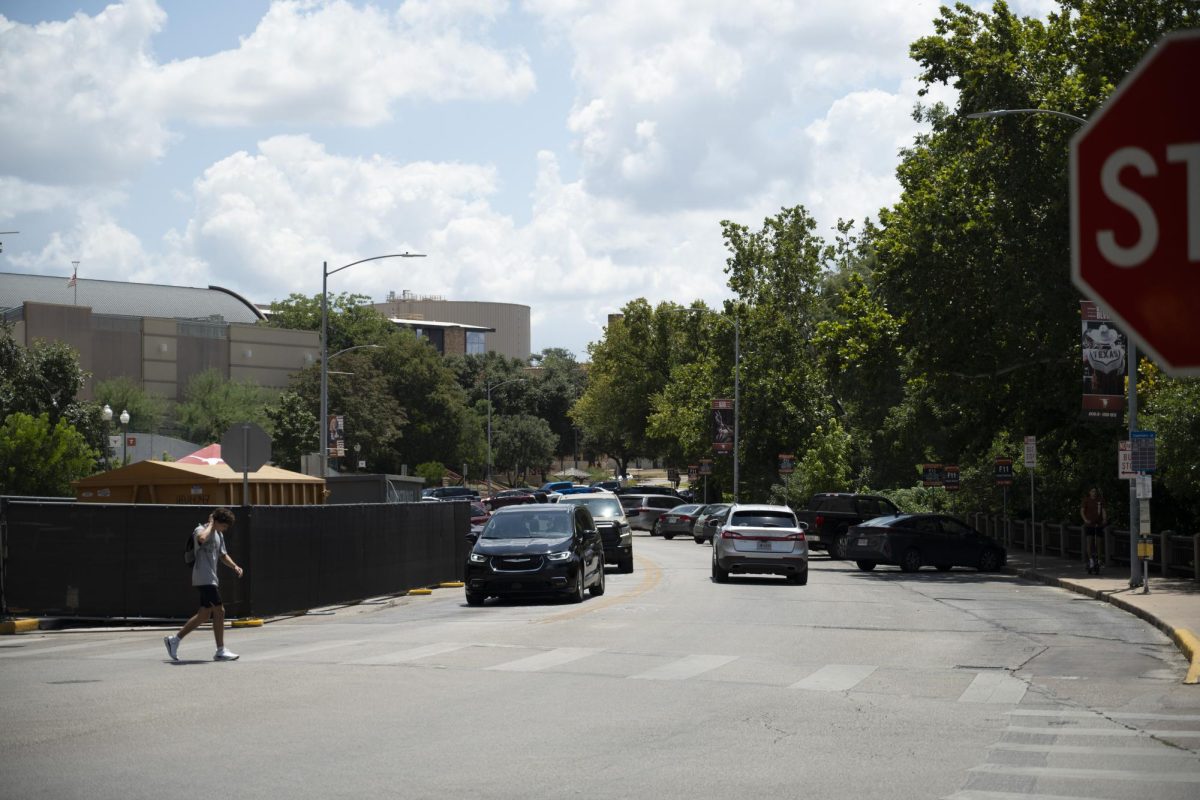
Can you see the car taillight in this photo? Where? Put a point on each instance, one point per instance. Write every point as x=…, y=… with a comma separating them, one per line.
x=795, y=537
x=820, y=520
x=728, y=534
x=684, y=518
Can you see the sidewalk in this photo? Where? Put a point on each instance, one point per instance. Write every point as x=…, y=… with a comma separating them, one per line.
x=1172, y=606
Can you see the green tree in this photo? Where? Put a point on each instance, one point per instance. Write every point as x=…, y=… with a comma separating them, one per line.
x=212, y=403
x=1172, y=410
x=350, y=318
x=146, y=411
x=40, y=457
x=295, y=430
x=521, y=443
x=559, y=383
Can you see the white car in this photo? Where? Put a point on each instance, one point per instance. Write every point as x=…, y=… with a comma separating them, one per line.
x=760, y=539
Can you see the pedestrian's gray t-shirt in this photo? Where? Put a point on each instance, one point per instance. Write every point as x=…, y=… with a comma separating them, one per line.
x=204, y=571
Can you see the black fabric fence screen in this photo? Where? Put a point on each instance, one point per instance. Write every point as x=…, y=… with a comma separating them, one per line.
x=67, y=559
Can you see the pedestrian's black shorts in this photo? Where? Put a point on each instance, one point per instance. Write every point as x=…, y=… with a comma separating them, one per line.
x=209, y=596
x=1093, y=530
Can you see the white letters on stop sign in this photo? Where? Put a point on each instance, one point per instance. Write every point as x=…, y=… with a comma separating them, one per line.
x=1120, y=195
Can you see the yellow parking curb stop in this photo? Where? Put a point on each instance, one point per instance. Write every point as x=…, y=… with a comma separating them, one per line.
x=451, y=585
x=11, y=626
x=1190, y=645
x=253, y=622
x=420, y=591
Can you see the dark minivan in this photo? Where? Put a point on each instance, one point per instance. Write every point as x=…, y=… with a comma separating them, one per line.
x=538, y=549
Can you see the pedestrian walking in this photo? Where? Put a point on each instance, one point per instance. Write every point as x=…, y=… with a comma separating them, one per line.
x=1095, y=517
x=208, y=541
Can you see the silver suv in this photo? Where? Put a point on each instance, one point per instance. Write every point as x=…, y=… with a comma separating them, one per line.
x=760, y=539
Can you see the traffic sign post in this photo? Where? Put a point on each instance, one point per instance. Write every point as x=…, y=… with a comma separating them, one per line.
x=1031, y=464
x=245, y=447
x=1135, y=205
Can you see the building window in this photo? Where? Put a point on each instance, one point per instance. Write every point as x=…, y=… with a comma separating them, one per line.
x=475, y=343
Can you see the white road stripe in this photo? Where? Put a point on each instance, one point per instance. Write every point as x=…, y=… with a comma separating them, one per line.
x=1033, y=712
x=303, y=649
x=684, y=668
x=835, y=678
x=34, y=651
x=994, y=687
x=1091, y=774
x=552, y=658
x=412, y=654
x=975, y=794
x=1161, y=751
x=1102, y=732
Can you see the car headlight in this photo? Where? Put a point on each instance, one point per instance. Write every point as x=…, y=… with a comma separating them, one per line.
x=475, y=558
x=563, y=556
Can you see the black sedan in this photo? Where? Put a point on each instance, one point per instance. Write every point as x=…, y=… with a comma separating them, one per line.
x=536, y=549
x=911, y=541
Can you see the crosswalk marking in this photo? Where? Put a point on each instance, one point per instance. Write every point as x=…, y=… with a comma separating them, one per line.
x=1089, y=774
x=835, y=678
x=1038, y=712
x=1082, y=750
x=304, y=649
x=1103, y=732
x=59, y=648
x=684, y=668
x=994, y=687
x=411, y=654
x=552, y=658
x=975, y=794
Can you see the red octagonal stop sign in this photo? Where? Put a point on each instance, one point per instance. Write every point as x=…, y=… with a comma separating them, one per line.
x=1135, y=204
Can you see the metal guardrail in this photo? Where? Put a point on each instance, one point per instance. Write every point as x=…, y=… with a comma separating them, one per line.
x=1175, y=554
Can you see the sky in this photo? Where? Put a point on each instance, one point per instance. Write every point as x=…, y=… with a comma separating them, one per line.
x=563, y=154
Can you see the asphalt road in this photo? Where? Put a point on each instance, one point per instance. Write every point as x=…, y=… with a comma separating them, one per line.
x=859, y=685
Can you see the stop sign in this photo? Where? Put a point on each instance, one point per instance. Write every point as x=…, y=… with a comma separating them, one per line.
x=1135, y=204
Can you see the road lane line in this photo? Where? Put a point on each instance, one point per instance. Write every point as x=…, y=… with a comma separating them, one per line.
x=1102, y=732
x=835, y=678
x=304, y=649
x=1033, y=712
x=1160, y=751
x=651, y=577
x=994, y=687
x=684, y=668
x=552, y=658
x=411, y=654
x=975, y=794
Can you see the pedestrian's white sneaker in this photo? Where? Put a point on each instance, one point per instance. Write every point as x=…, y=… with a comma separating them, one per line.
x=225, y=654
x=172, y=643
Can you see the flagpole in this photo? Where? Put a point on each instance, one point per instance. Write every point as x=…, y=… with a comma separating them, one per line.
x=75, y=281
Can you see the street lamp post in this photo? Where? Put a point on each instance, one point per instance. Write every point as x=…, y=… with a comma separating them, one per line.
x=737, y=393
x=124, y=437
x=107, y=415
x=491, y=386
x=325, y=273
x=1130, y=355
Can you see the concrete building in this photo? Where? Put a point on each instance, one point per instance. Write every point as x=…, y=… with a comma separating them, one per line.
x=506, y=328
x=159, y=336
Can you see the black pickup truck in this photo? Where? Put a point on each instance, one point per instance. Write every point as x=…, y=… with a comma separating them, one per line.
x=829, y=515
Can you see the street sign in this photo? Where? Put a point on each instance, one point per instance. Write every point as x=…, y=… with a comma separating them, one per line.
x=950, y=478
x=1125, y=461
x=245, y=447
x=1004, y=471
x=931, y=474
x=1135, y=204
x=1030, y=451
x=787, y=463
x=1143, y=451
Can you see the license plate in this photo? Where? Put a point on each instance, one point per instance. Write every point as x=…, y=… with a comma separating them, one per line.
x=862, y=542
x=764, y=546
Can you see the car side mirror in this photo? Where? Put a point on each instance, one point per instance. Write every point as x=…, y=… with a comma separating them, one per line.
x=472, y=537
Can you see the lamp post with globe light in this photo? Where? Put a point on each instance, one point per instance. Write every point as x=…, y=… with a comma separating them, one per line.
x=124, y=437
x=107, y=415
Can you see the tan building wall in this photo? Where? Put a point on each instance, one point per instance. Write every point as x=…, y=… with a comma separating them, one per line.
x=270, y=356
x=511, y=321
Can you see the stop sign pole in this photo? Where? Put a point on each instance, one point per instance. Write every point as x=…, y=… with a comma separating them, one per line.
x=1135, y=204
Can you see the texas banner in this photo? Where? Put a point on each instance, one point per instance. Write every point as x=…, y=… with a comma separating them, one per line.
x=1103, y=365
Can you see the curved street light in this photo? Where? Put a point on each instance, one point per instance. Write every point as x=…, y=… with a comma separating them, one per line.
x=325, y=273
x=1130, y=355
x=491, y=386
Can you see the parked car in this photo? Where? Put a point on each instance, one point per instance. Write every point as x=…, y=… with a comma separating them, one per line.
x=911, y=541
x=643, y=510
x=536, y=549
x=677, y=522
x=830, y=514
x=479, y=517
x=578, y=490
x=612, y=524
x=510, y=497
x=649, y=489
x=760, y=539
x=450, y=493
x=554, y=486
x=611, y=485
x=707, y=520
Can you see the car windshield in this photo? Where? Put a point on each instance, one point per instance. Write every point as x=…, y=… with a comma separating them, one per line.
x=601, y=507
x=631, y=500
x=540, y=525
x=763, y=519
x=690, y=509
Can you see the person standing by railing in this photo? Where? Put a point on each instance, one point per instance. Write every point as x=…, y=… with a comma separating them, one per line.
x=1095, y=517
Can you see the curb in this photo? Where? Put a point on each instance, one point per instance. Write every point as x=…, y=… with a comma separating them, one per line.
x=12, y=626
x=252, y=622
x=1185, y=640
